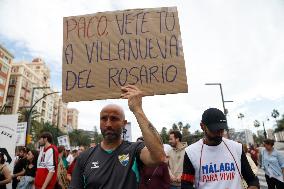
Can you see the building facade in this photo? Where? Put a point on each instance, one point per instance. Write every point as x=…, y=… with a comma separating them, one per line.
x=270, y=134
x=6, y=59
x=61, y=116
x=244, y=136
x=72, y=118
x=29, y=82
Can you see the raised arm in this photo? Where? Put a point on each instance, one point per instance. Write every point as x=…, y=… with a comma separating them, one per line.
x=153, y=153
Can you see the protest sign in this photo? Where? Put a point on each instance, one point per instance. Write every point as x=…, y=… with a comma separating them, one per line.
x=127, y=133
x=21, y=134
x=64, y=141
x=107, y=50
x=8, y=136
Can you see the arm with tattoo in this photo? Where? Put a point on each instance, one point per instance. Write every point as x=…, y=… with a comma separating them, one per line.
x=154, y=152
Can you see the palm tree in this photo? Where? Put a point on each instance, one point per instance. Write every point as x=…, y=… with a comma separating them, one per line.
x=175, y=127
x=241, y=116
x=24, y=115
x=275, y=114
x=180, y=125
x=256, y=123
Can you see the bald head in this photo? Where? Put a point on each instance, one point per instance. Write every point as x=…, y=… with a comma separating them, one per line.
x=115, y=108
x=112, y=121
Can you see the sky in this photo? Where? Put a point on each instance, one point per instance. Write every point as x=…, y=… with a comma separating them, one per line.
x=238, y=43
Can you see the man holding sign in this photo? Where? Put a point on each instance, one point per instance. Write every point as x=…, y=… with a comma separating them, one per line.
x=115, y=163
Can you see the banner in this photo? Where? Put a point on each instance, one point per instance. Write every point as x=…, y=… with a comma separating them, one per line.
x=21, y=134
x=64, y=141
x=8, y=136
x=107, y=50
x=127, y=134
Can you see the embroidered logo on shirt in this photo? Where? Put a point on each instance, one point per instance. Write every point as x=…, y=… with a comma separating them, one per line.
x=123, y=159
x=95, y=165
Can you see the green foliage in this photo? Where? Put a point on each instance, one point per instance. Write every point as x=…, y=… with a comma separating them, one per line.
x=186, y=134
x=280, y=124
x=184, y=129
x=78, y=138
x=98, y=137
x=164, y=135
x=258, y=139
x=275, y=113
x=175, y=127
x=241, y=116
x=24, y=114
x=197, y=135
x=256, y=123
x=47, y=127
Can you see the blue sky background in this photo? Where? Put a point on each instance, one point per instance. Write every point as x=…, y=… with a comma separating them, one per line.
x=236, y=42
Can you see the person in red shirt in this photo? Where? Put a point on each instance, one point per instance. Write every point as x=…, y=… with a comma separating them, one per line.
x=155, y=177
x=46, y=174
x=254, y=154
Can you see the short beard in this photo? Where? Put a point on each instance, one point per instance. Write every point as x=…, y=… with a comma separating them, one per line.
x=214, y=140
x=112, y=137
x=41, y=144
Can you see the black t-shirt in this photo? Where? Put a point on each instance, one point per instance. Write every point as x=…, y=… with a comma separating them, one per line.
x=99, y=169
x=30, y=170
x=20, y=165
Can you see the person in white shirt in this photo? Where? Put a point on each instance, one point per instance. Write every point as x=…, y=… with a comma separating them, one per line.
x=216, y=162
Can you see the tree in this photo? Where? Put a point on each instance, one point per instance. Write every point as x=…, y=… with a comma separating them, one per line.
x=241, y=116
x=256, y=123
x=47, y=127
x=186, y=134
x=24, y=114
x=175, y=127
x=280, y=124
x=258, y=139
x=197, y=135
x=98, y=137
x=78, y=138
x=164, y=135
x=275, y=114
x=180, y=125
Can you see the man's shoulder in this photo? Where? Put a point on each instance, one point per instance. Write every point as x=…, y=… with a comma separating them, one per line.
x=231, y=142
x=195, y=145
x=88, y=152
x=132, y=146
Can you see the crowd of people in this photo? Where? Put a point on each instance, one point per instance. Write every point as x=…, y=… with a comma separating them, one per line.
x=212, y=162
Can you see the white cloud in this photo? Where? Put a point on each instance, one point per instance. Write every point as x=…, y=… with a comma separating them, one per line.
x=237, y=43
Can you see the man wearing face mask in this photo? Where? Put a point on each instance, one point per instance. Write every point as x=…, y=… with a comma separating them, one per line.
x=214, y=161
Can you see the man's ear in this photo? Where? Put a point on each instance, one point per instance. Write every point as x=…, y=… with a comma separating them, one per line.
x=124, y=123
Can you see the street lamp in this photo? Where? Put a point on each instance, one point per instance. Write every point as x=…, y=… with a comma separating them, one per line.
x=223, y=101
x=33, y=105
x=264, y=130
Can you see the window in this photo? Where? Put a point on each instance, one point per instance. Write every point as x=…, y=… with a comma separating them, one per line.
x=1, y=93
x=11, y=91
x=6, y=59
x=2, y=80
x=13, y=81
x=5, y=69
x=10, y=101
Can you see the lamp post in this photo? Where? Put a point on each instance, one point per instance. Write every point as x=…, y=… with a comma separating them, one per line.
x=33, y=105
x=264, y=130
x=223, y=101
